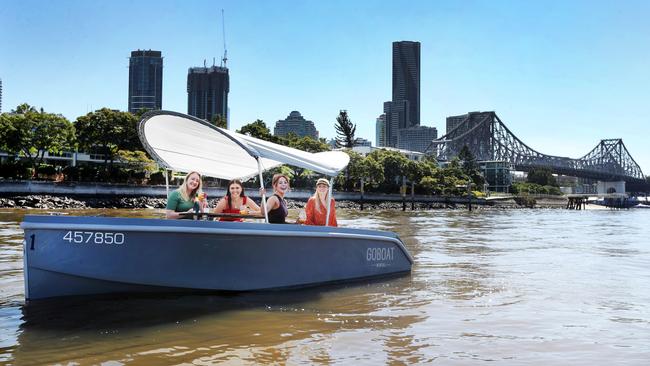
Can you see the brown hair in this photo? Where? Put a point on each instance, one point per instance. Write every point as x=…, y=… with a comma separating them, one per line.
x=276, y=178
x=238, y=182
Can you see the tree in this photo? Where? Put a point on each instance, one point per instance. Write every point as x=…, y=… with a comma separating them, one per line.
x=33, y=133
x=345, y=130
x=541, y=176
x=470, y=166
x=259, y=130
x=107, y=131
x=394, y=165
x=306, y=143
x=219, y=121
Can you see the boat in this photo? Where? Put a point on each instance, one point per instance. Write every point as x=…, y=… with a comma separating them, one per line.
x=77, y=256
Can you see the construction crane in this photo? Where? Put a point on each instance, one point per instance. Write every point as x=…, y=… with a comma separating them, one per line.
x=225, y=51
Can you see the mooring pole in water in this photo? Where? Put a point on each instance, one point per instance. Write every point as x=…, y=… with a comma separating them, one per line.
x=469, y=196
x=361, y=194
x=412, y=196
x=403, y=192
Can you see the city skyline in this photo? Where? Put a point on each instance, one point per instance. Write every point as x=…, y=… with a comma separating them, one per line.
x=562, y=76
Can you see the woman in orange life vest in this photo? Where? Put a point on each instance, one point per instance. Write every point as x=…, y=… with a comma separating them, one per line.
x=236, y=202
x=316, y=208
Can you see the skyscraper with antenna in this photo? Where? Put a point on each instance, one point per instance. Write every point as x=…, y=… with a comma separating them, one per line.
x=208, y=88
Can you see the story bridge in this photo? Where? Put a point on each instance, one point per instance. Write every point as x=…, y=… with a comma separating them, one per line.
x=489, y=139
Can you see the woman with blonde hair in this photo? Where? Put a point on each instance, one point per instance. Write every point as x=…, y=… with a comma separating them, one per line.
x=183, y=199
x=316, y=208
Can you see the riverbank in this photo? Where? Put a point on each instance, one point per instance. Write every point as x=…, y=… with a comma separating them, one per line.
x=144, y=202
x=67, y=195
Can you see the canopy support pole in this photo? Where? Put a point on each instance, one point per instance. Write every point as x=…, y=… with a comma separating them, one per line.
x=329, y=202
x=166, y=183
x=259, y=170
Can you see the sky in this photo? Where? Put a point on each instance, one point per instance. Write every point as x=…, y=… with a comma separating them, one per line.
x=562, y=75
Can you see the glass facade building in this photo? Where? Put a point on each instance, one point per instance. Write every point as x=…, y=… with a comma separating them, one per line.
x=406, y=77
x=207, y=92
x=145, y=80
x=380, y=130
x=416, y=138
x=295, y=123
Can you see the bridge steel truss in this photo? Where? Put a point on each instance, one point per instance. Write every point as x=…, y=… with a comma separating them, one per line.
x=489, y=139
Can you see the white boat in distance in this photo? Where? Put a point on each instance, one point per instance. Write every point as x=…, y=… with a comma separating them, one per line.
x=65, y=256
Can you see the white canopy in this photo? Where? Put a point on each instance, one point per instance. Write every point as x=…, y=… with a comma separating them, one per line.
x=185, y=143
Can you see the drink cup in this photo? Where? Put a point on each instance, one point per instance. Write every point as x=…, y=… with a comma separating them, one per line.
x=243, y=210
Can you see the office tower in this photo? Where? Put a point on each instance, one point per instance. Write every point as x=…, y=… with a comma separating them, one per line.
x=472, y=117
x=397, y=117
x=145, y=80
x=207, y=92
x=297, y=124
x=380, y=130
x=416, y=138
x=406, y=77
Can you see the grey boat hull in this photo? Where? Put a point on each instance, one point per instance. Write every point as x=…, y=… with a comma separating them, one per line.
x=67, y=256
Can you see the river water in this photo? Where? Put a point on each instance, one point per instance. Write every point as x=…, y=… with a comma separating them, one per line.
x=512, y=287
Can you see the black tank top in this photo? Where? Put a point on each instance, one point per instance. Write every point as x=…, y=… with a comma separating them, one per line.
x=277, y=215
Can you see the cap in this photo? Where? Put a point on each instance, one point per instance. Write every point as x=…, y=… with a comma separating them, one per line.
x=323, y=181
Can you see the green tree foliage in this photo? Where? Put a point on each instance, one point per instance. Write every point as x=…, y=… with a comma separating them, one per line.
x=394, y=165
x=219, y=121
x=305, y=143
x=258, y=130
x=345, y=130
x=542, y=176
x=534, y=188
x=107, y=131
x=33, y=132
x=470, y=166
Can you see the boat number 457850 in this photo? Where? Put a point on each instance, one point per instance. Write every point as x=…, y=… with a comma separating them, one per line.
x=94, y=237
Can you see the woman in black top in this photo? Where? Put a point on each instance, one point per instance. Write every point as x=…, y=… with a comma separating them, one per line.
x=276, y=206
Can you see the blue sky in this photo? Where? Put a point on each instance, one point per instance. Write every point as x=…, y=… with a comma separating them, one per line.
x=561, y=74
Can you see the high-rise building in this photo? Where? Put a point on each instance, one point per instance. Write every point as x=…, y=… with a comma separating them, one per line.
x=416, y=138
x=297, y=124
x=145, y=80
x=380, y=130
x=397, y=116
x=0, y=95
x=406, y=77
x=471, y=117
x=207, y=92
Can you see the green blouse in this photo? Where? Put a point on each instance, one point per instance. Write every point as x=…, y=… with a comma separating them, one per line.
x=176, y=202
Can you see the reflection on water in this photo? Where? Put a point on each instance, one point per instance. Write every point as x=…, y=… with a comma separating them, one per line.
x=521, y=287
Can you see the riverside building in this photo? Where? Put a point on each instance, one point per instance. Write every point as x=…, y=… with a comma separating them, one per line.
x=416, y=138
x=380, y=130
x=207, y=92
x=295, y=123
x=145, y=80
x=473, y=117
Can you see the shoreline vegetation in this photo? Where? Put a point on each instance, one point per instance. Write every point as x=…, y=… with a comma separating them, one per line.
x=55, y=202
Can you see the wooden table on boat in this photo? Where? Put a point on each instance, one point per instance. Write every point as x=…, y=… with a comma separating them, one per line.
x=213, y=216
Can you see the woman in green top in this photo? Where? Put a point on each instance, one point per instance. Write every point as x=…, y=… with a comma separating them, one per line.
x=182, y=199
